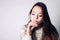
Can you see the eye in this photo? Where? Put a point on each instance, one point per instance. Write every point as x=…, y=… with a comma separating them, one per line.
x=33, y=14
x=40, y=15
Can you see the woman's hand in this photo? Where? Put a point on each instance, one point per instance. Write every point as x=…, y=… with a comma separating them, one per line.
x=30, y=27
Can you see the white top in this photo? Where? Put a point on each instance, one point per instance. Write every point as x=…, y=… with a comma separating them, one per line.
x=38, y=34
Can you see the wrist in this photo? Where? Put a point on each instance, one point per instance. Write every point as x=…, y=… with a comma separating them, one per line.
x=28, y=33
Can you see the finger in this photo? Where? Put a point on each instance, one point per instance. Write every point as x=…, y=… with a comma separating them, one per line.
x=32, y=28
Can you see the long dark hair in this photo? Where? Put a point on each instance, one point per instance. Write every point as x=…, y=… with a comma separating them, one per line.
x=49, y=29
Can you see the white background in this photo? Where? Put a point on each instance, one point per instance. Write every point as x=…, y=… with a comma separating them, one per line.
x=14, y=13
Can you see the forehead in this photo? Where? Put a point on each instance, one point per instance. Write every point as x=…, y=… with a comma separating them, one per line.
x=37, y=9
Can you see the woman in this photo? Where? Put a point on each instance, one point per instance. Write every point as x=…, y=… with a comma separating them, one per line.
x=39, y=26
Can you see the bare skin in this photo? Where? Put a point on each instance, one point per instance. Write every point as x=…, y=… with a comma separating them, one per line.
x=30, y=27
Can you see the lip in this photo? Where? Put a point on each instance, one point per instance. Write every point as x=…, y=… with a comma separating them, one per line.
x=36, y=22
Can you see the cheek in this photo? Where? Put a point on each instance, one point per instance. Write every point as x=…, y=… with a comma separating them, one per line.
x=40, y=19
x=32, y=18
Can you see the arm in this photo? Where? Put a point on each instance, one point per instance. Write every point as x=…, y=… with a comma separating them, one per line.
x=23, y=35
x=27, y=31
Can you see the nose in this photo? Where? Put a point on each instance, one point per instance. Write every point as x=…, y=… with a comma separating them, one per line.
x=37, y=17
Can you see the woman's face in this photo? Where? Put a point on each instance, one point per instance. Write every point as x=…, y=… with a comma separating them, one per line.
x=36, y=15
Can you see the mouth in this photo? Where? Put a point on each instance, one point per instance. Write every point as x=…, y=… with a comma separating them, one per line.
x=36, y=22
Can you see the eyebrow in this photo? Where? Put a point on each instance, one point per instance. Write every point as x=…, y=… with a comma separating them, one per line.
x=38, y=13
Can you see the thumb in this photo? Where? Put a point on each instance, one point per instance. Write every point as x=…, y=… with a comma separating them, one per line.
x=32, y=28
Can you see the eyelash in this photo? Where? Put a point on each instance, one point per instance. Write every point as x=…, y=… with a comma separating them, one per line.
x=38, y=15
x=33, y=14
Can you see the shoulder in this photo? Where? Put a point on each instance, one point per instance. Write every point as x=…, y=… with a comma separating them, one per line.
x=55, y=35
x=51, y=32
x=23, y=30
